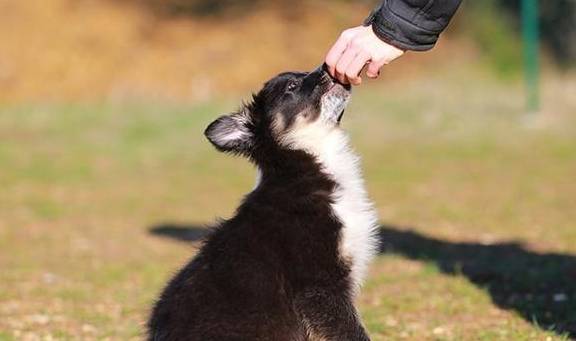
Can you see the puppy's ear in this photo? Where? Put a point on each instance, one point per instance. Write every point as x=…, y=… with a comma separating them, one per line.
x=231, y=133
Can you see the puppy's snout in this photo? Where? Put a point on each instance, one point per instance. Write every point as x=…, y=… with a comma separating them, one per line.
x=326, y=78
x=318, y=77
x=312, y=78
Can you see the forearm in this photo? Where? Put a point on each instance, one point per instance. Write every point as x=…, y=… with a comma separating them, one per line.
x=412, y=24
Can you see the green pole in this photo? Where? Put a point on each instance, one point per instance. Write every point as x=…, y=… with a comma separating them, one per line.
x=530, y=37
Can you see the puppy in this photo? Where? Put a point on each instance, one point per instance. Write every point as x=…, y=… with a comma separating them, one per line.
x=289, y=263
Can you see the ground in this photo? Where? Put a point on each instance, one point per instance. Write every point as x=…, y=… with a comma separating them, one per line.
x=101, y=203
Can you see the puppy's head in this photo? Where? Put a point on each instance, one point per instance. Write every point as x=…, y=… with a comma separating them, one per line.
x=293, y=111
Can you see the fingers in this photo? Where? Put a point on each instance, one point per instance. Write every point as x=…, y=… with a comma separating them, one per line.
x=336, y=52
x=353, y=49
x=343, y=63
x=353, y=70
x=373, y=70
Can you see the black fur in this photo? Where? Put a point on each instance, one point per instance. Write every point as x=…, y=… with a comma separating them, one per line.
x=273, y=271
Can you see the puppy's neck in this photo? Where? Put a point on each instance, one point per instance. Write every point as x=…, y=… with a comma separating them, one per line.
x=294, y=169
x=332, y=151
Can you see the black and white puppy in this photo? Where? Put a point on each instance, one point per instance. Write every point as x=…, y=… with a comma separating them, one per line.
x=289, y=263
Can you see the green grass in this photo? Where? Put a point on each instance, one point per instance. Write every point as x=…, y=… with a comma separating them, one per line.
x=456, y=172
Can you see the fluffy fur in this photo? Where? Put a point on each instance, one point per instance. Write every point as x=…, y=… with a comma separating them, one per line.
x=288, y=265
x=350, y=200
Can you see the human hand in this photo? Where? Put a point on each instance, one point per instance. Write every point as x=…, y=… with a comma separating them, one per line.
x=355, y=48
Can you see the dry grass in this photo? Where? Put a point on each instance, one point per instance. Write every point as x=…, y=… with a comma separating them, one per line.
x=67, y=50
x=71, y=50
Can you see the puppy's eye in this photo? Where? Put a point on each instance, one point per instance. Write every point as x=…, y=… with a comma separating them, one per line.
x=292, y=85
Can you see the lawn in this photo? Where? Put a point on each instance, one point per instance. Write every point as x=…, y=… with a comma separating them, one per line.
x=101, y=203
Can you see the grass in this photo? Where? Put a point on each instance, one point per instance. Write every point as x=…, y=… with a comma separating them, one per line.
x=477, y=206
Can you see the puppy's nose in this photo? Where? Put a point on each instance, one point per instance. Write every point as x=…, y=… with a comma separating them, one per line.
x=326, y=77
x=319, y=76
x=313, y=78
x=321, y=71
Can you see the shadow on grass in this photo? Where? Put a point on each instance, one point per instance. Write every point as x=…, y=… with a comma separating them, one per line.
x=183, y=233
x=540, y=287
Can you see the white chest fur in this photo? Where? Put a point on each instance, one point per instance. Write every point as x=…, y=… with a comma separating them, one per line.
x=358, y=240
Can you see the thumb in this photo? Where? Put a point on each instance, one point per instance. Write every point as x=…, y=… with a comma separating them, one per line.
x=373, y=69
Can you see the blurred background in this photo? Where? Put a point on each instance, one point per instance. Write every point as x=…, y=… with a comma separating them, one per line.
x=106, y=181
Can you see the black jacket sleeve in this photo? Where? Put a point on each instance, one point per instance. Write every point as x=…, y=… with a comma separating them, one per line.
x=412, y=24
